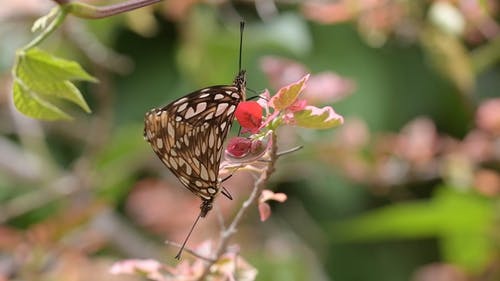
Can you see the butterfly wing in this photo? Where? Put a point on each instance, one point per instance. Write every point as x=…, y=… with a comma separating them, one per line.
x=188, y=135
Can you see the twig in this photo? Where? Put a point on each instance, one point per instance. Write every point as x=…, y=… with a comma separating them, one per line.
x=258, y=186
x=192, y=252
x=288, y=151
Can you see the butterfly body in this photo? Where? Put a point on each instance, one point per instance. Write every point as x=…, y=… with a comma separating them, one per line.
x=188, y=135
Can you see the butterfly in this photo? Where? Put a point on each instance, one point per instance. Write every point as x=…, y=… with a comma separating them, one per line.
x=188, y=136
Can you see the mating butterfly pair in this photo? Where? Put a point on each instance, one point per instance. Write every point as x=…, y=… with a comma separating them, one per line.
x=188, y=135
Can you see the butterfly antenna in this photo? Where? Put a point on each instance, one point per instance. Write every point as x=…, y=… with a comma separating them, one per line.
x=242, y=26
x=178, y=256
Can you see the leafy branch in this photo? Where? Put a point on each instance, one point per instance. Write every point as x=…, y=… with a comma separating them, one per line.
x=43, y=81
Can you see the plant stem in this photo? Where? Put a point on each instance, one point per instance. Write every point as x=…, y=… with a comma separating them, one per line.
x=54, y=24
x=61, y=2
x=84, y=10
x=87, y=11
x=259, y=184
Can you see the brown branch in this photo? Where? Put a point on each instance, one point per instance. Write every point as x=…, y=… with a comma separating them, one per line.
x=84, y=10
x=61, y=2
x=259, y=184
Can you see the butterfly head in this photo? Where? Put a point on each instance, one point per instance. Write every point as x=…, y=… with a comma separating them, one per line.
x=241, y=81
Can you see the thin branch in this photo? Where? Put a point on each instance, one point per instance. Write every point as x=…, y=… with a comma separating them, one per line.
x=288, y=151
x=61, y=2
x=259, y=184
x=54, y=24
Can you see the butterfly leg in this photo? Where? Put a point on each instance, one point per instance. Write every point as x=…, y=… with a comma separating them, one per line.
x=226, y=193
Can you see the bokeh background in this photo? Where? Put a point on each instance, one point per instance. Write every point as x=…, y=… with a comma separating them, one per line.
x=406, y=189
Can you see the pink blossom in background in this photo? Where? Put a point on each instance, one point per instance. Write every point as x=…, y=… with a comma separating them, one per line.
x=439, y=272
x=480, y=18
x=328, y=13
x=488, y=116
x=281, y=72
x=354, y=134
x=487, y=182
x=15, y=9
x=324, y=87
x=150, y=268
x=328, y=87
x=417, y=142
x=477, y=146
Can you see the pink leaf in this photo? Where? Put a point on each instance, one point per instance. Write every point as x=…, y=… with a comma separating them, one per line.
x=317, y=118
x=286, y=96
x=266, y=195
x=297, y=105
x=264, y=211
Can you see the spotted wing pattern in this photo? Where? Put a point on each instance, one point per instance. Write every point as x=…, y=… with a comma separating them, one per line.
x=188, y=135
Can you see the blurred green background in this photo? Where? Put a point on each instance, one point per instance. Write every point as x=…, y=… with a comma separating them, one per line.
x=407, y=189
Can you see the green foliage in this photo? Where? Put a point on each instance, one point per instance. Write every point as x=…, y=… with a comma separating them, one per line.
x=450, y=58
x=42, y=80
x=117, y=163
x=461, y=221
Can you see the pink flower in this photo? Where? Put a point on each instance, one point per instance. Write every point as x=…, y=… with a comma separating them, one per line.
x=148, y=267
x=324, y=87
x=242, y=150
x=239, y=147
x=488, y=116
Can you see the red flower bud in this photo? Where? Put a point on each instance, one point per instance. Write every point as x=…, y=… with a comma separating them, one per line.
x=239, y=147
x=249, y=115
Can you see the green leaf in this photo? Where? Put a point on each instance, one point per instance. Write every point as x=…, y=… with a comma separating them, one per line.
x=42, y=79
x=33, y=106
x=317, y=118
x=48, y=67
x=461, y=221
x=61, y=89
x=287, y=95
